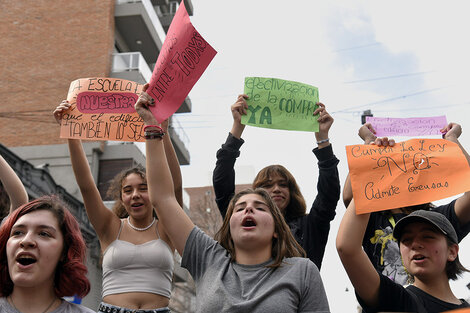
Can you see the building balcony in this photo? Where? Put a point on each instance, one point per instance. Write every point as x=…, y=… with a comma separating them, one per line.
x=166, y=9
x=180, y=140
x=138, y=28
x=131, y=66
x=141, y=25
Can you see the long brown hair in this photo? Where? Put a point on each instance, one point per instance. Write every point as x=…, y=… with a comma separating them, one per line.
x=296, y=206
x=115, y=189
x=284, y=246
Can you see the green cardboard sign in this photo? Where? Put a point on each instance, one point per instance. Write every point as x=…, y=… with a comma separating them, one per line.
x=280, y=104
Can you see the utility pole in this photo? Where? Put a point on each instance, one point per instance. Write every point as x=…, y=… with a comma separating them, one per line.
x=364, y=114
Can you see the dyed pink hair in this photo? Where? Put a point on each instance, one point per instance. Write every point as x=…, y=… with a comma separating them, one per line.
x=70, y=274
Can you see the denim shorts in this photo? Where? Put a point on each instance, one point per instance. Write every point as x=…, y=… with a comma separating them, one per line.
x=108, y=308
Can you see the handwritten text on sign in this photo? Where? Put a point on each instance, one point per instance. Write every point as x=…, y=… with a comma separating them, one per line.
x=106, y=102
x=280, y=104
x=413, y=126
x=184, y=57
x=93, y=120
x=412, y=172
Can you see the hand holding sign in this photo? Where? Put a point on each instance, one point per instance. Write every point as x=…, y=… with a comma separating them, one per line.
x=60, y=110
x=183, y=58
x=239, y=109
x=143, y=105
x=324, y=124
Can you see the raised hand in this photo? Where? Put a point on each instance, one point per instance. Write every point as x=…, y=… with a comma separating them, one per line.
x=452, y=131
x=142, y=107
x=59, y=111
x=325, y=120
x=367, y=133
x=238, y=109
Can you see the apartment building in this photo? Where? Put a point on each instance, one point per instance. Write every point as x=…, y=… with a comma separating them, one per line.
x=45, y=46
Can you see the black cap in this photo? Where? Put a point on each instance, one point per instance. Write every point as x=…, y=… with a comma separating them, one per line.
x=432, y=217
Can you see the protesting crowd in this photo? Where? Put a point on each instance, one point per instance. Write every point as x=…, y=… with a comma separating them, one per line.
x=399, y=249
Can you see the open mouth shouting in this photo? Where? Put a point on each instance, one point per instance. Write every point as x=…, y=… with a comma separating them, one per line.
x=248, y=223
x=25, y=259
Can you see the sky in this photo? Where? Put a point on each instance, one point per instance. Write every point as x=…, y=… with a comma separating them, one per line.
x=396, y=58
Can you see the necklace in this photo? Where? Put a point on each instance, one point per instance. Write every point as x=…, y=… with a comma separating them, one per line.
x=48, y=307
x=137, y=228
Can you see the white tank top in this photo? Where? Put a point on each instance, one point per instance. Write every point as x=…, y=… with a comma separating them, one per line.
x=146, y=267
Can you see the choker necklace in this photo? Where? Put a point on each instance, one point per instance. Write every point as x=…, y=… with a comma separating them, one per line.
x=137, y=228
x=48, y=307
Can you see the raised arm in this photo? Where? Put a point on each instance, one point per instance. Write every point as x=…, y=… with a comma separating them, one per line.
x=361, y=272
x=104, y=221
x=223, y=177
x=160, y=183
x=173, y=163
x=13, y=185
x=328, y=185
x=323, y=209
x=462, y=205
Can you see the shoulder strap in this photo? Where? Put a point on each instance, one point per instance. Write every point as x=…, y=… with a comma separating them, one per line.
x=156, y=227
x=419, y=302
x=120, y=228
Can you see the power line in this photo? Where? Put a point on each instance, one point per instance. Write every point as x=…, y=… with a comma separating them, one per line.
x=386, y=77
x=347, y=110
x=426, y=107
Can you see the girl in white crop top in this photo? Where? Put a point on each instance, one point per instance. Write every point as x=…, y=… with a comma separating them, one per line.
x=135, y=214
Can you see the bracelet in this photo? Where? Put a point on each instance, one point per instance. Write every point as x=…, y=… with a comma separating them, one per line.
x=155, y=126
x=323, y=141
x=154, y=135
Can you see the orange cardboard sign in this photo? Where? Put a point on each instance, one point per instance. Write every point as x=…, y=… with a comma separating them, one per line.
x=112, y=118
x=466, y=310
x=412, y=172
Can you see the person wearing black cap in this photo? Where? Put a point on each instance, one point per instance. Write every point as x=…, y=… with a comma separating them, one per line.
x=429, y=250
x=378, y=241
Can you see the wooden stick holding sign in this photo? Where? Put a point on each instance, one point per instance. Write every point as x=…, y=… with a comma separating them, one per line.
x=411, y=172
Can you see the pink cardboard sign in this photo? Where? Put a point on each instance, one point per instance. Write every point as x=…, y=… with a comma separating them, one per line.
x=415, y=126
x=184, y=57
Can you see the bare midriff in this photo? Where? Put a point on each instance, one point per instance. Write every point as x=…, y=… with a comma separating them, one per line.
x=137, y=300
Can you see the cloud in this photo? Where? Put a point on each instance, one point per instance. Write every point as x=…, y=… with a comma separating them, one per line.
x=435, y=32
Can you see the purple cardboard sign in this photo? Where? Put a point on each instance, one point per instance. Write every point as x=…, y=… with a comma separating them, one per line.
x=410, y=127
